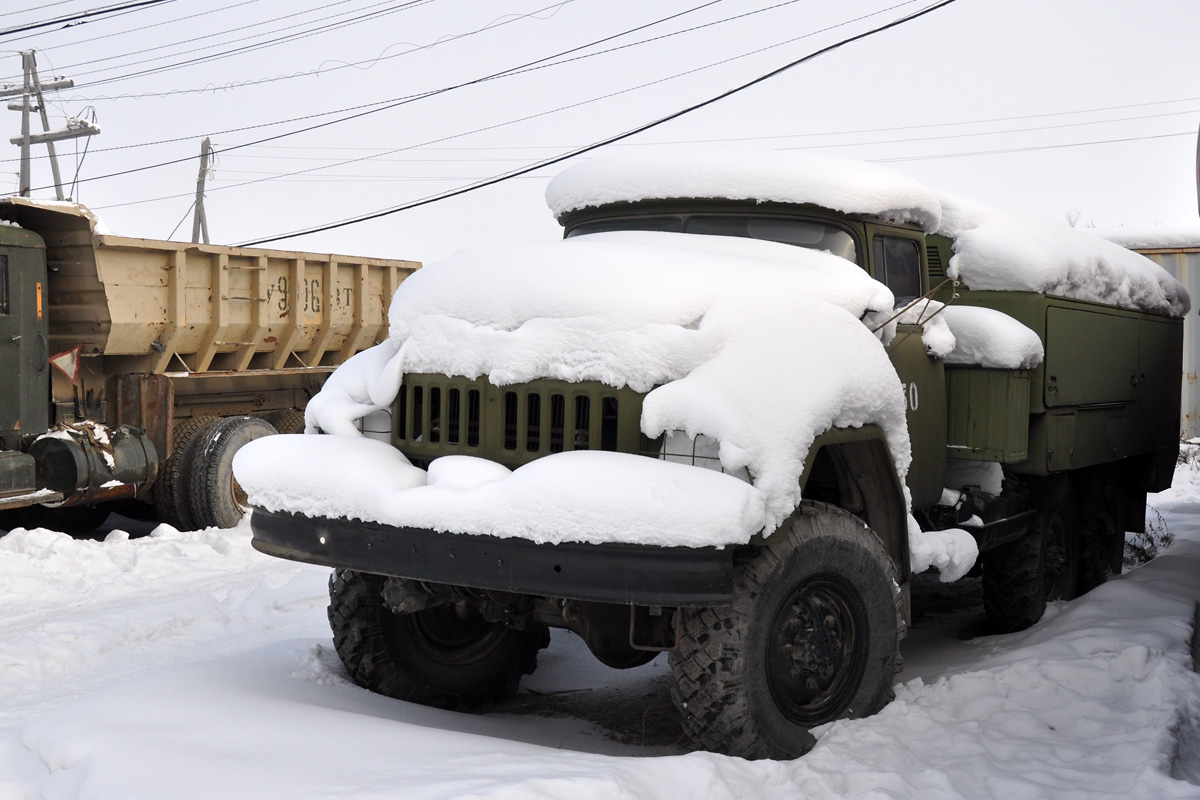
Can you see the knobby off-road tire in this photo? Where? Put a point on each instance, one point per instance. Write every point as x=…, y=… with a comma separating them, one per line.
x=812, y=636
x=434, y=657
x=171, y=487
x=1020, y=577
x=1102, y=538
x=216, y=500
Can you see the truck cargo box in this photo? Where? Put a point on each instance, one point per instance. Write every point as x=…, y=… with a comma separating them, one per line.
x=1107, y=390
x=156, y=306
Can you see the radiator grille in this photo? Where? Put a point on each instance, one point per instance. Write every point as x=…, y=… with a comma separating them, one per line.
x=435, y=415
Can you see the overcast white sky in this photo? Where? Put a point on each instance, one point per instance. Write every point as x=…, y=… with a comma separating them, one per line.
x=1086, y=108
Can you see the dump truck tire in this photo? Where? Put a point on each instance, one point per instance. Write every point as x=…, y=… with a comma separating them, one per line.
x=288, y=421
x=171, y=488
x=215, y=498
x=433, y=657
x=812, y=636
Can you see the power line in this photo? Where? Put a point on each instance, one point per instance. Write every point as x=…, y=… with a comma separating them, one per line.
x=83, y=15
x=258, y=46
x=998, y=132
x=374, y=108
x=35, y=8
x=532, y=116
x=359, y=64
x=936, y=156
x=609, y=140
x=89, y=62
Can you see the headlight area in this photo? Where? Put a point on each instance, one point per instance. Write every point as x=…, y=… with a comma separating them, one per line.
x=701, y=451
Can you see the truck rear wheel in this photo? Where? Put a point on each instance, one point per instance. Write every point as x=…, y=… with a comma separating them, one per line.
x=171, y=487
x=1019, y=577
x=434, y=657
x=290, y=420
x=215, y=498
x=812, y=636
x=1102, y=538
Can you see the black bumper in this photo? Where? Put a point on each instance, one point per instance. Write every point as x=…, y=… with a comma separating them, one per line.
x=607, y=573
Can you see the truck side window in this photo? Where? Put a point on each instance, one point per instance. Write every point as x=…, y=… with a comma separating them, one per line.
x=3, y=284
x=898, y=265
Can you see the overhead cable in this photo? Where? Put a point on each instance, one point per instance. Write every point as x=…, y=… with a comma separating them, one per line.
x=371, y=108
x=611, y=139
x=81, y=16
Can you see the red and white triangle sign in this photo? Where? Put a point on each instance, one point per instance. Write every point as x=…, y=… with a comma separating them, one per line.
x=67, y=362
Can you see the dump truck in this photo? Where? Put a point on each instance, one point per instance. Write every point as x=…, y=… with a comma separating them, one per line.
x=135, y=368
x=572, y=486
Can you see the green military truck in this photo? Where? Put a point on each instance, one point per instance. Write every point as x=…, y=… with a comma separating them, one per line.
x=1043, y=462
x=134, y=369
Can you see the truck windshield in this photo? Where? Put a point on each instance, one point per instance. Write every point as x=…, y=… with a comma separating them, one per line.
x=809, y=233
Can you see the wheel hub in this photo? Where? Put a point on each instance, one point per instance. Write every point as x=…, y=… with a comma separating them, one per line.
x=817, y=641
x=816, y=656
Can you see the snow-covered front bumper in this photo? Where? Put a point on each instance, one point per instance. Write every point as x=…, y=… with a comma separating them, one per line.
x=583, y=525
x=608, y=573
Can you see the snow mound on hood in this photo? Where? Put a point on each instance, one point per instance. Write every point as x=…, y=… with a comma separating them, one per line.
x=758, y=345
x=841, y=184
x=1006, y=250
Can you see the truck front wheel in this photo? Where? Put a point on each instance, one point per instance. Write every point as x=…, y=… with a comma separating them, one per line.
x=812, y=636
x=436, y=657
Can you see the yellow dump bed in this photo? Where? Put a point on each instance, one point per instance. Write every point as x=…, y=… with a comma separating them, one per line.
x=153, y=306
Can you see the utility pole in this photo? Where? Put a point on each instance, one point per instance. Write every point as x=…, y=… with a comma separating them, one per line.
x=200, y=221
x=32, y=99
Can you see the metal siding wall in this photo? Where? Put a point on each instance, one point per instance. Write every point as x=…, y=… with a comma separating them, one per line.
x=1185, y=267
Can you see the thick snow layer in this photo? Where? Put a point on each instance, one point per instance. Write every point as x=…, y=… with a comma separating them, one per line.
x=935, y=333
x=989, y=338
x=585, y=496
x=1008, y=250
x=986, y=476
x=951, y=552
x=1153, y=238
x=854, y=187
x=190, y=666
x=733, y=333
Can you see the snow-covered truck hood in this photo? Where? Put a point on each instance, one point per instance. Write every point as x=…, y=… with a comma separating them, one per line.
x=758, y=345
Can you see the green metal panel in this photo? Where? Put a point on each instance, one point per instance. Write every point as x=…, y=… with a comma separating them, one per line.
x=24, y=360
x=988, y=414
x=1159, y=379
x=1060, y=452
x=1091, y=357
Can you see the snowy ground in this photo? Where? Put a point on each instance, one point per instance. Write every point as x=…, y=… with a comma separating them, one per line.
x=187, y=665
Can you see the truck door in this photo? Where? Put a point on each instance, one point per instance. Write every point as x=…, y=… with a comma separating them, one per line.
x=24, y=359
x=899, y=261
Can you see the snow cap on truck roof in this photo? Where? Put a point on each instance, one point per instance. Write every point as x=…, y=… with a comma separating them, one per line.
x=1004, y=250
x=839, y=184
